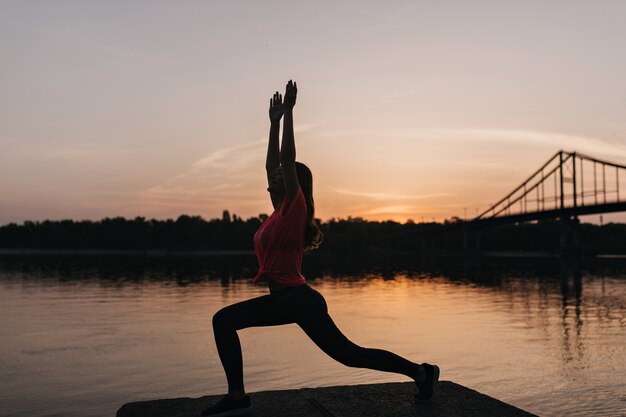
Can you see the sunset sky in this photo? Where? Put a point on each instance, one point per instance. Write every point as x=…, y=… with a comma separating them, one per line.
x=406, y=109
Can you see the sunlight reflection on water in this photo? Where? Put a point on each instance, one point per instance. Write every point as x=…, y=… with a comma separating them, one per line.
x=83, y=339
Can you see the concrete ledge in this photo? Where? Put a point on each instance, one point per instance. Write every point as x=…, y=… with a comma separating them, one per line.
x=394, y=399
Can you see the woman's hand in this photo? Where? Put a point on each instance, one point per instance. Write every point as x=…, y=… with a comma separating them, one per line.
x=291, y=91
x=276, y=107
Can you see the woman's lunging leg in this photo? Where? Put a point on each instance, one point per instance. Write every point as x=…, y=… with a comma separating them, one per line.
x=323, y=331
x=259, y=311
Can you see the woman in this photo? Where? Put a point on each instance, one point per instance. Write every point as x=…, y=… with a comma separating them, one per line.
x=279, y=244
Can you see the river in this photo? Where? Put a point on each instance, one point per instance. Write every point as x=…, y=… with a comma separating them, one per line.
x=82, y=335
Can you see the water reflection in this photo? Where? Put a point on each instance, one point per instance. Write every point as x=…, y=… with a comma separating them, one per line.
x=571, y=292
x=500, y=327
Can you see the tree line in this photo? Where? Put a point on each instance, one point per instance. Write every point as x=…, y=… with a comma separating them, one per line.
x=340, y=235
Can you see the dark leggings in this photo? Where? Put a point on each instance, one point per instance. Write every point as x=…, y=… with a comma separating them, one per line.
x=306, y=307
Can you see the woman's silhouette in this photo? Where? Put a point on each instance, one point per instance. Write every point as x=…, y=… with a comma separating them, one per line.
x=279, y=244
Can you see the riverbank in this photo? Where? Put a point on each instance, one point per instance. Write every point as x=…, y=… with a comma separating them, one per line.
x=372, y=400
x=124, y=252
x=432, y=254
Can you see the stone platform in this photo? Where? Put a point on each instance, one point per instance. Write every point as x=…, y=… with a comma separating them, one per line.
x=394, y=399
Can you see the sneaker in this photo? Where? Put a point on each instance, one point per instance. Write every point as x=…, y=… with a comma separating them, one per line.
x=428, y=387
x=227, y=406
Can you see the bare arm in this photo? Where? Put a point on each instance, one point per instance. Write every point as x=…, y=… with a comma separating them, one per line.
x=288, y=146
x=272, y=161
x=276, y=111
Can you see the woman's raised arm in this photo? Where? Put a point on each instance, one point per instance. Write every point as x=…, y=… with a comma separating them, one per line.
x=276, y=112
x=272, y=162
x=288, y=147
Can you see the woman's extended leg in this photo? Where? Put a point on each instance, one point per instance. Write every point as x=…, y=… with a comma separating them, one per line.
x=319, y=326
x=259, y=311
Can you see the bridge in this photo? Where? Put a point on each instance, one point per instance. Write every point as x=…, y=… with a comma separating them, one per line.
x=568, y=185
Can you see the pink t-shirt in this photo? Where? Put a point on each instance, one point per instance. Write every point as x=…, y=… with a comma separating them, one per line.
x=279, y=242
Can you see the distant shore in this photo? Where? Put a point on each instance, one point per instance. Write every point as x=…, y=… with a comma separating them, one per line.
x=183, y=253
x=123, y=252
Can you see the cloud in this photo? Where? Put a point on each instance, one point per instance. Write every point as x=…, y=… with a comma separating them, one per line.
x=386, y=196
x=226, y=178
x=397, y=209
x=495, y=137
x=229, y=159
x=537, y=138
